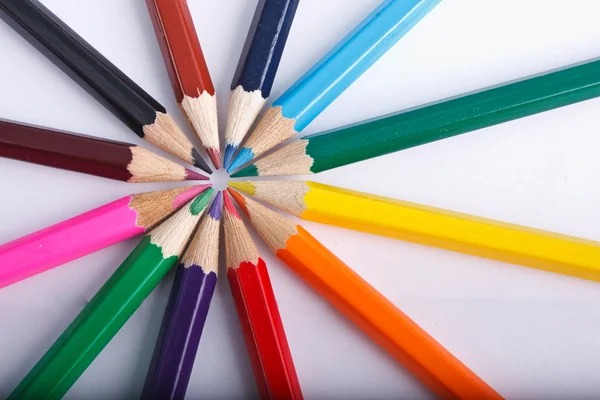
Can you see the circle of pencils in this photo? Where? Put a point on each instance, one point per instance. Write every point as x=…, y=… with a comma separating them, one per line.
x=90, y=155
x=180, y=234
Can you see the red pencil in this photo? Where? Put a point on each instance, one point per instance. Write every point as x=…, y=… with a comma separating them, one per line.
x=257, y=310
x=187, y=70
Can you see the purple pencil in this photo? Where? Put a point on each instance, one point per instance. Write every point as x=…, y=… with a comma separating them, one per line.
x=192, y=291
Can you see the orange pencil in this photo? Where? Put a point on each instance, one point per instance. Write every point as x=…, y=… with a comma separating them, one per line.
x=368, y=309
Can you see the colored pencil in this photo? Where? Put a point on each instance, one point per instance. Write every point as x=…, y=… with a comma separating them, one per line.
x=99, y=77
x=429, y=123
x=107, y=312
x=334, y=73
x=257, y=67
x=188, y=72
x=105, y=158
x=368, y=309
x=186, y=312
x=89, y=232
x=431, y=226
x=257, y=310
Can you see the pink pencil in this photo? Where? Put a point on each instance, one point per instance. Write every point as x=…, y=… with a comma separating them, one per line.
x=89, y=232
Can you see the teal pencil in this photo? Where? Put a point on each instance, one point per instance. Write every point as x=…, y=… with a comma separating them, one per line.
x=429, y=123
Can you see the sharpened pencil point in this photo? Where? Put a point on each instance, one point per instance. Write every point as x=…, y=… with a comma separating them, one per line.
x=246, y=187
x=194, y=176
x=199, y=162
x=215, y=157
x=250, y=170
x=216, y=207
x=238, y=199
x=230, y=150
x=245, y=155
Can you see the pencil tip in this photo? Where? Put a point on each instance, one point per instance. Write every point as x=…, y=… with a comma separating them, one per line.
x=217, y=205
x=240, y=200
x=230, y=150
x=199, y=162
x=250, y=170
x=229, y=208
x=215, y=157
x=246, y=187
x=194, y=176
x=245, y=155
x=200, y=202
x=188, y=194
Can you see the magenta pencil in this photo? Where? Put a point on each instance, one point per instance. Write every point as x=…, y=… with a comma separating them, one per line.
x=89, y=232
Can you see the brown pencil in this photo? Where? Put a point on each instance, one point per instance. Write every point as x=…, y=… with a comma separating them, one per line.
x=94, y=156
x=187, y=70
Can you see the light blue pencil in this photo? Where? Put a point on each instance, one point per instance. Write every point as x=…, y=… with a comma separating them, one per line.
x=333, y=74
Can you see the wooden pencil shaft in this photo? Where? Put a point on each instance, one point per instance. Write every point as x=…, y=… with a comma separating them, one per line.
x=370, y=311
x=264, y=45
x=96, y=325
x=179, y=337
x=185, y=315
x=88, y=232
x=437, y=227
x=454, y=116
x=112, y=306
x=381, y=320
x=63, y=150
x=78, y=59
x=180, y=47
x=263, y=330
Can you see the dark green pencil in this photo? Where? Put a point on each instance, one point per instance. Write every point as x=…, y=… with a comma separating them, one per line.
x=441, y=120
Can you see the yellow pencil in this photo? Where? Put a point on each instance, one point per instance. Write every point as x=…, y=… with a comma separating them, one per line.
x=431, y=226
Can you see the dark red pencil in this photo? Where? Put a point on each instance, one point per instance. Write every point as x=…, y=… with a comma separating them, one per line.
x=187, y=70
x=257, y=310
x=90, y=155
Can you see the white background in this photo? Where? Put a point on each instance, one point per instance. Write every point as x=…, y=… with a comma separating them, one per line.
x=530, y=334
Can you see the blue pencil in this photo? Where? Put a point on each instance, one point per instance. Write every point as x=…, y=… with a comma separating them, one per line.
x=186, y=312
x=333, y=74
x=257, y=68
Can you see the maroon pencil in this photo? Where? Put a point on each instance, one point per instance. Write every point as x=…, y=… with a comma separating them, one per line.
x=87, y=154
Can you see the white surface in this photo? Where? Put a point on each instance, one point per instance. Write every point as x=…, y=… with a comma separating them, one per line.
x=528, y=333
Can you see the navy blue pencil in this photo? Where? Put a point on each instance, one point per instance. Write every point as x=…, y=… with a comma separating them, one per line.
x=187, y=309
x=256, y=68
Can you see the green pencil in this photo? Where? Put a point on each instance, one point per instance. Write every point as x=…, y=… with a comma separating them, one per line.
x=112, y=306
x=399, y=131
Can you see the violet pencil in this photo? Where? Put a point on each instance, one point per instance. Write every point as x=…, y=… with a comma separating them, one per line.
x=193, y=287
